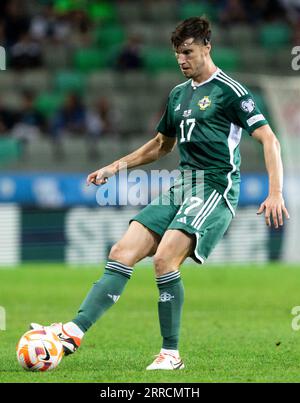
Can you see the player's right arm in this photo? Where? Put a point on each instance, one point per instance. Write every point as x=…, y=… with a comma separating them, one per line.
x=154, y=149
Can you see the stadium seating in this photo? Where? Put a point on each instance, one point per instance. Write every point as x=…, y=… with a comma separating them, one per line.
x=226, y=58
x=57, y=56
x=128, y=12
x=99, y=82
x=109, y=35
x=89, y=69
x=63, y=6
x=157, y=59
x=65, y=81
x=163, y=12
x=103, y=11
x=253, y=58
x=240, y=36
x=8, y=80
x=275, y=35
x=149, y=34
x=89, y=59
x=10, y=149
x=48, y=103
x=165, y=80
x=191, y=9
x=35, y=80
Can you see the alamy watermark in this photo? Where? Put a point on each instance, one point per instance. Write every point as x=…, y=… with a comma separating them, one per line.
x=2, y=318
x=158, y=187
x=296, y=60
x=296, y=320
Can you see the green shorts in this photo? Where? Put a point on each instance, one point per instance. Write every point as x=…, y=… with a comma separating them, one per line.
x=203, y=212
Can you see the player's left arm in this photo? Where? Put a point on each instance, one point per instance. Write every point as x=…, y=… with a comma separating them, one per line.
x=273, y=206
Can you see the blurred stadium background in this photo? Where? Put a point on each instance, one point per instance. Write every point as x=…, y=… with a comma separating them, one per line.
x=86, y=82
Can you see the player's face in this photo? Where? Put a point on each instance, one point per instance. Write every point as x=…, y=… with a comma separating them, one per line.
x=191, y=57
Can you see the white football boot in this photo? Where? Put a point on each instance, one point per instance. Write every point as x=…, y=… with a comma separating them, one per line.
x=70, y=343
x=166, y=361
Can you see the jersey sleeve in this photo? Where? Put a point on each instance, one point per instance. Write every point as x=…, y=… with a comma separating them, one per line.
x=166, y=125
x=243, y=111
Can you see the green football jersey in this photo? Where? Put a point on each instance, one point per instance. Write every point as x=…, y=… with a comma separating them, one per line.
x=207, y=120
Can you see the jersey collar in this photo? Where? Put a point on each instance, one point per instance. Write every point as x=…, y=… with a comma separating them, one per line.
x=196, y=85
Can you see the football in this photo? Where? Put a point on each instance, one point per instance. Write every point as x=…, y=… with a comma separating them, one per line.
x=39, y=350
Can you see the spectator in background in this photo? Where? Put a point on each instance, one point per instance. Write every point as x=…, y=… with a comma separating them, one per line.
x=14, y=22
x=70, y=120
x=62, y=31
x=233, y=11
x=130, y=56
x=250, y=12
x=81, y=28
x=59, y=27
x=2, y=36
x=296, y=34
x=3, y=7
x=273, y=11
x=264, y=11
x=41, y=25
x=101, y=120
x=292, y=8
x=7, y=119
x=29, y=123
x=26, y=53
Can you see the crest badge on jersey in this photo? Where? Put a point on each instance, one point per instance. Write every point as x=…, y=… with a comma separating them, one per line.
x=204, y=103
x=248, y=105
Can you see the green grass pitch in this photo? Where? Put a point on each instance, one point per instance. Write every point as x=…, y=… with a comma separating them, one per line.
x=236, y=325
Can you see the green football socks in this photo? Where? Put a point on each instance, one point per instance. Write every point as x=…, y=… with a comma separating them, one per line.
x=171, y=297
x=103, y=294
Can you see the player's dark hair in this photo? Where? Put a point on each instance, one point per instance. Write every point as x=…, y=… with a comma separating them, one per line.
x=194, y=27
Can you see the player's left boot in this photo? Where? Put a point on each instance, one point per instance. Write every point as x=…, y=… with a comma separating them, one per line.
x=70, y=342
x=166, y=361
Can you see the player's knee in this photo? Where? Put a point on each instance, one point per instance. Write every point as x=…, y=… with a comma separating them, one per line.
x=162, y=264
x=119, y=253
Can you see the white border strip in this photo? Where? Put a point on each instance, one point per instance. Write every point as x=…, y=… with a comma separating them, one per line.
x=209, y=212
x=203, y=207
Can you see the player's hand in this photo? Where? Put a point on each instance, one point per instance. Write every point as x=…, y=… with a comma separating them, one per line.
x=274, y=208
x=101, y=176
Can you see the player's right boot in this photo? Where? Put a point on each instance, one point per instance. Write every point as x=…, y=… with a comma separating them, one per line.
x=70, y=343
x=166, y=361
